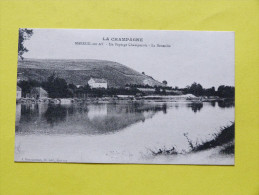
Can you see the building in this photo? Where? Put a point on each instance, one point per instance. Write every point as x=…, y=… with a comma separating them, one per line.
x=38, y=92
x=97, y=83
x=147, y=91
x=21, y=77
x=18, y=92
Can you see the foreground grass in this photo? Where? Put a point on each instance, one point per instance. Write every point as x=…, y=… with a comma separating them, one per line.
x=228, y=149
x=224, y=138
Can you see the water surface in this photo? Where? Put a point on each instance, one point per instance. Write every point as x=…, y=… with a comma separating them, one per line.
x=115, y=132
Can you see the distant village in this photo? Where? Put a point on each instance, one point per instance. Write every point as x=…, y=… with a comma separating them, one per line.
x=56, y=90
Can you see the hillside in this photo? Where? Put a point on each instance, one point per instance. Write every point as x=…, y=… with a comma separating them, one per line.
x=79, y=72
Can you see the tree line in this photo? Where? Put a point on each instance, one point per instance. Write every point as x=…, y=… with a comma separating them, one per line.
x=59, y=88
x=222, y=91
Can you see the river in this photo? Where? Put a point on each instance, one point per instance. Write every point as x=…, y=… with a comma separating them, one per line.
x=119, y=133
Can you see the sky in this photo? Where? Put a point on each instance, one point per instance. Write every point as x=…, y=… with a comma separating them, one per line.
x=205, y=57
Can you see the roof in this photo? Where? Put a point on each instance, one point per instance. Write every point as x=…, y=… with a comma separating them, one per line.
x=39, y=89
x=99, y=80
x=18, y=88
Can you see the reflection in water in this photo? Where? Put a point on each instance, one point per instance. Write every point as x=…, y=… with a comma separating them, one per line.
x=226, y=104
x=114, y=132
x=82, y=119
x=98, y=110
x=55, y=114
x=213, y=103
x=196, y=106
x=94, y=119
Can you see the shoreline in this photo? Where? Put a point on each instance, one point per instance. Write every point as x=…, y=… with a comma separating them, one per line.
x=120, y=99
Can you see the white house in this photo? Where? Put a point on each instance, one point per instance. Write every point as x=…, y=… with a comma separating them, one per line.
x=97, y=83
x=18, y=93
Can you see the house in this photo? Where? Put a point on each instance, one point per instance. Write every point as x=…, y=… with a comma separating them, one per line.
x=21, y=77
x=18, y=92
x=38, y=92
x=97, y=83
x=147, y=91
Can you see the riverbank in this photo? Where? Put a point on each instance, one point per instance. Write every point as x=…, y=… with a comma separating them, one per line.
x=223, y=141
x=123, y=99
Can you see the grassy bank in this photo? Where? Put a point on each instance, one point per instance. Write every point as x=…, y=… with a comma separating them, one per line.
x=224, y=138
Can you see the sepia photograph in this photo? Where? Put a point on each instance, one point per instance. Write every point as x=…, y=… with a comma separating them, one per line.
x=125, y=96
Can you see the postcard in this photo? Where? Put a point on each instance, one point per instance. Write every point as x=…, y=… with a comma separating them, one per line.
x=125, y=96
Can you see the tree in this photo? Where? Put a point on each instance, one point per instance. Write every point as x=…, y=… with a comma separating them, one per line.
x=57, y=87
x=209, y=92
x=26, y=86
x=226, y=91
x=143, y=73
x=87, y=87
x=165, y=82
x=24, y=34
x=157, y=90
x=72, y=86
x=196, y=89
